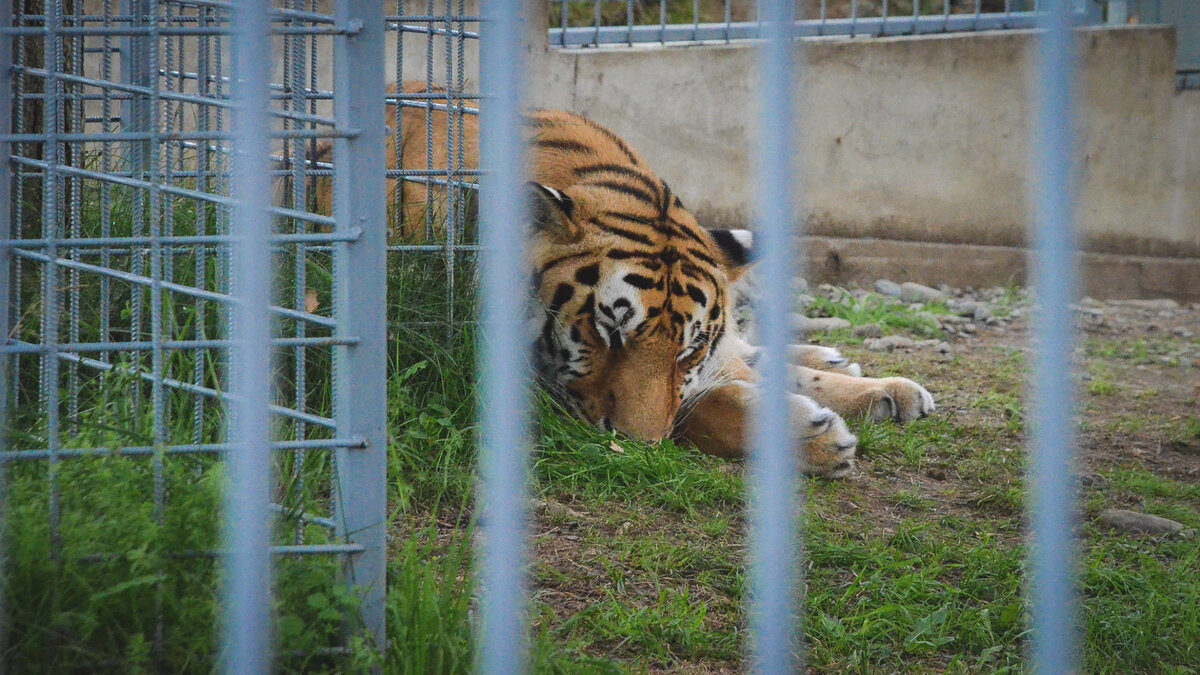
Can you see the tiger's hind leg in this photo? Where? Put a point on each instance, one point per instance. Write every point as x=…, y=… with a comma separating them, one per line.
x=719, y=424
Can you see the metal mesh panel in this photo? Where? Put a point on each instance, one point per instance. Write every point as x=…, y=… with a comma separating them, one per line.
x=119, y=315
x=591, y=23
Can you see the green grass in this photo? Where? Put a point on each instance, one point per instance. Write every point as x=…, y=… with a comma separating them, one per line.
x=891, y=316
x=915, y=565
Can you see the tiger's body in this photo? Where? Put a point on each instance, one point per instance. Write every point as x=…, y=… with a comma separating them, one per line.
x=634, y=311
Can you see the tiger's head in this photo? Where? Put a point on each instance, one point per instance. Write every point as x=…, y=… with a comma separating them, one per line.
x=633, y=311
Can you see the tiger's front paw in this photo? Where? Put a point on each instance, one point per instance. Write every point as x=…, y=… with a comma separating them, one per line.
x=898, y=399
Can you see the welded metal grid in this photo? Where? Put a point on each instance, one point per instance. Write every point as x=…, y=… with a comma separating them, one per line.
x=593, y=23
x=137, y=180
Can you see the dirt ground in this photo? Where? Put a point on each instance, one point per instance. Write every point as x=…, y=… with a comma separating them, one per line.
x=1137, y=375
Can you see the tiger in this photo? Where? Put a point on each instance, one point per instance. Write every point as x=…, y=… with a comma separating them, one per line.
x=634, y=306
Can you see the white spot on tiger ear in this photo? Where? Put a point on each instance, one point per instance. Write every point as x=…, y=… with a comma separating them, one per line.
x=743, y=237
x=554, y=193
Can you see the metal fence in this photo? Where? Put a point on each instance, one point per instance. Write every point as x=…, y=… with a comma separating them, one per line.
x=147, y=271
x=593, y=23
x=189, y=283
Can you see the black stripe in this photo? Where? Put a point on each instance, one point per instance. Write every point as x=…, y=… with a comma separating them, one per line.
x=697, y=295
x=622, y=232
x=666, y=203
x=636, y=193
x=686, y=231
x=559, y=144
x=628, y=172
x=537, y=282
x=562, y=295
x=702, y=256
x=639, y=281
x=588, y=275
x=615, y=139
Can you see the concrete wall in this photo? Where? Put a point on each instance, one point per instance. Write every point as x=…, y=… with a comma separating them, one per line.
x=919, y=144
x=916, y=149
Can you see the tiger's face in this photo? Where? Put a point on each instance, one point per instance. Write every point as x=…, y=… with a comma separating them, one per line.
x=632, y=325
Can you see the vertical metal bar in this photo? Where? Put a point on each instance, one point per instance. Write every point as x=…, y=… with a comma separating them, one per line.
x=296, y=55
x=562, y=22
x=596, y=22
x=74, y=285
x=359, y=287
x=1054, y=631
x=853, y=18
x=8, y=299
x=247, y=603
x=106, y=74
x=429, y=229
x=504, y=404
x=629, y=22
x=662, y=21
x=451, y=213
x=773, y=552
x=695, y=19
x=7, y=231
x=51, y=299
x=202, y=183
x=18, y=187
x=728, y=18
x=135, y=117
x=157, y=355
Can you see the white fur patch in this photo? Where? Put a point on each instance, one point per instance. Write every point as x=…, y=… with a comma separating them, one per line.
x=743, y=237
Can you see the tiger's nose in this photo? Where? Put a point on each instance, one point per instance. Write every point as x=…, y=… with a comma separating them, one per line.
x=644, y=428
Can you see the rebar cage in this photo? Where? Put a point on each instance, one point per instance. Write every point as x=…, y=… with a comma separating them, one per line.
x=119, y=119
x=594, y=23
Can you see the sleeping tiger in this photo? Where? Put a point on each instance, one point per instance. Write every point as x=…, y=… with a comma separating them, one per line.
x=634, y=306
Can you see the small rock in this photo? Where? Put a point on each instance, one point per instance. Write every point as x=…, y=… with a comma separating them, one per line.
x=914, y=292
x=868, y=330
x=1092, y=479
x=887, y=344
x=805, y=324
x=1144, y=523
x=554, y=509
x=888, y=288
x=1157, y=303
x=799, y=284
x=942, y=347
x=936, y=474
x=969, y=328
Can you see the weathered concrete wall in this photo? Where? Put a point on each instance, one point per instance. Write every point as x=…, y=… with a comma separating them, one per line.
x=922, y=139
x=912, y=145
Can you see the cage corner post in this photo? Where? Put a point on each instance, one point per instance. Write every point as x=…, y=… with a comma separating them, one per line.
x=360, y=289
x=7, y=231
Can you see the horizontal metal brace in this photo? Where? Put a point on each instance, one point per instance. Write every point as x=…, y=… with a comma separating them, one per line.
x=179, y=240
x=22, y=347
x=186, y=449
x=200, y=390
x=168, y=285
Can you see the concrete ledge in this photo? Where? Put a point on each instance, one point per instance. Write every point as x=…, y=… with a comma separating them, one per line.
x=1105, y=275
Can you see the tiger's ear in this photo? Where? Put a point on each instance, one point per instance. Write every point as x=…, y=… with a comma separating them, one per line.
x=737, y=250
x=550, y=211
